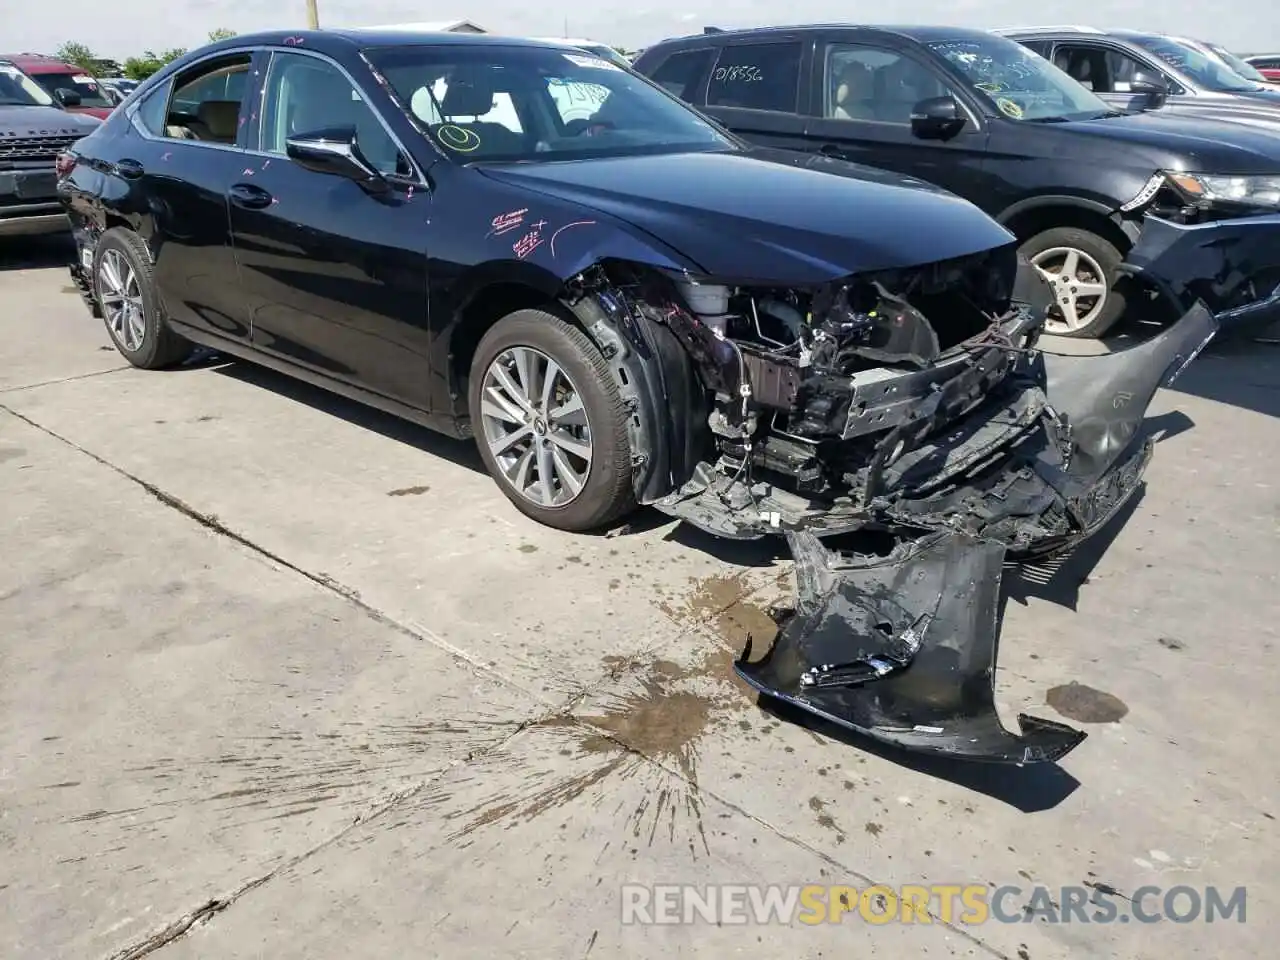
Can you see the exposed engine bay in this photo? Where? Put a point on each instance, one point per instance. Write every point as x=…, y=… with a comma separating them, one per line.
x=910, y=405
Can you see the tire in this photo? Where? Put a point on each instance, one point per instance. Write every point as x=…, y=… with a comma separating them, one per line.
x=604, y=486
x=1051, y=248
x=155, y=346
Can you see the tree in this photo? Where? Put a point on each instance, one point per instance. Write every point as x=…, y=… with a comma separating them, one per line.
x=78, y=54
x=222, y=33
x=139, y=68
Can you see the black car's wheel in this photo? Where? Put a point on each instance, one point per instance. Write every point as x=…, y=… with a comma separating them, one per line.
x=1080, y=268
x=125, y=289
x=549, y=423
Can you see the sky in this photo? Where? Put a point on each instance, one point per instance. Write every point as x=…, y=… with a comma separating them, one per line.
x=123, y=29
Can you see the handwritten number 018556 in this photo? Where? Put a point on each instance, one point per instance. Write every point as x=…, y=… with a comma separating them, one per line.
x=742, y=74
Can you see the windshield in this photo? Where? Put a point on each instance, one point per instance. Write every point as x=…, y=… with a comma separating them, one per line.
x=534, y=104
x=19, y=90
x=91, y=93
x=1242, y=67
x=1206, y=71
x=1020, y=84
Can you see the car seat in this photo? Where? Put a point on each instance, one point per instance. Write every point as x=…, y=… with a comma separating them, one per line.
x=219, y=120
x=471, y=93
x=855, y=93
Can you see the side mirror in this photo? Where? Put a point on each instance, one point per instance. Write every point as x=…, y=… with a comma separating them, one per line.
x=67, y=97
x=937, y=118
x=335, y=152
x=1151, y=88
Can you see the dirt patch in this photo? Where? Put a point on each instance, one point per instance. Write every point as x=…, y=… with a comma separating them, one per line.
x=722, y=603
x=408, y=491
x=650, y=731
x=1084, y=704
x=819, y=807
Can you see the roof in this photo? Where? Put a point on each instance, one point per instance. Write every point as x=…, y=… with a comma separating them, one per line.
x=1059, y=28
x=34, y=60
x=431, y=26
x=920, y=33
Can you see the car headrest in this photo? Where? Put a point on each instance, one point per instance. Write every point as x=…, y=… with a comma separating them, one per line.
x=221, y=117
x=469, y=94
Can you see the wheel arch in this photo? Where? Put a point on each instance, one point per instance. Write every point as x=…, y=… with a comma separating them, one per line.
x=1034, y=215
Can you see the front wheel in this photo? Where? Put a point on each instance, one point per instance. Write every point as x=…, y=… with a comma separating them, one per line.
x=550, y=425
x=1080, y=268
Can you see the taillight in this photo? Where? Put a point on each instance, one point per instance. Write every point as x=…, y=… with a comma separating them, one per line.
x=65, y=163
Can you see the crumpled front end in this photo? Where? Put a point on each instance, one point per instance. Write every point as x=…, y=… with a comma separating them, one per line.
x=911, y=404
x=903, y=647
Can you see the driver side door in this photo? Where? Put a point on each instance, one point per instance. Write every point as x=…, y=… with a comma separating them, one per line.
x=862, y=104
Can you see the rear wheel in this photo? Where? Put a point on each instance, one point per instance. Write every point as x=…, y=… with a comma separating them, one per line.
x=549, y=422
x=1080, y=268
x=124, y=286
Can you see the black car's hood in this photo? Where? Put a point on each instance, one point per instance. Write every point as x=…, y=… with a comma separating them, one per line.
x=1211, y=146
x=24, y=121
x=770, y=215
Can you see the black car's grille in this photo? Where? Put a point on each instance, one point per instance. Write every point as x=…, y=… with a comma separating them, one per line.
x=27, y=146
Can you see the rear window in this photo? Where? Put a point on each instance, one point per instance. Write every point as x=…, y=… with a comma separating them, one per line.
x=91, y=92
x=681, y=73
x=757, y=76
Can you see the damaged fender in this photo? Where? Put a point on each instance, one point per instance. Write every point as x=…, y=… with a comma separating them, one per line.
x=1231, y=265
x=903, y=649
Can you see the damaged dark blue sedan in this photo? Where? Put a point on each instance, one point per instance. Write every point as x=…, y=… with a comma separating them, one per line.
x=626, y=305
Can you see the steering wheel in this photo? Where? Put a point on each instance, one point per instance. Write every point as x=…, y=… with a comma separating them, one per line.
x=589, y=127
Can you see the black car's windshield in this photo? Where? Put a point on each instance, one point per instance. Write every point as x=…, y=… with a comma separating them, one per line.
x=1204, y=70
x=19, y=90
x=1243, y=67
x=538, y=104
x=1020, y=84
x=91, y=92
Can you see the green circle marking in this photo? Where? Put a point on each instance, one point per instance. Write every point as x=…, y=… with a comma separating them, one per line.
x=458, y=138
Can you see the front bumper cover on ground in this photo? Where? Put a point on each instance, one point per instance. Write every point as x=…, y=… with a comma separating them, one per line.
x=903, y=647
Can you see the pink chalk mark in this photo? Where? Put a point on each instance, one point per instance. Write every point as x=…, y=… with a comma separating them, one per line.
x=568, y=226
x=248, y=172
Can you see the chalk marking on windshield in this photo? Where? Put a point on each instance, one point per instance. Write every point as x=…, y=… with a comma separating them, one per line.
x=576, y=223
x=1009, y=108
x=596, y=63
x=458, y=138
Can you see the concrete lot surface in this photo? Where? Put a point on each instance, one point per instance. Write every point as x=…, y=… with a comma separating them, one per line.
x=281, y=677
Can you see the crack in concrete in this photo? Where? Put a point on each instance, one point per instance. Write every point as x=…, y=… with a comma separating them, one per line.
x=50, y=383
x=211, y=908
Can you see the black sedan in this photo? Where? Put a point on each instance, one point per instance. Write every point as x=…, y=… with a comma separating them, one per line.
x=625, y=304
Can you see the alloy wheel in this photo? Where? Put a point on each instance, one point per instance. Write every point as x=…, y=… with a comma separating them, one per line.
x=121, y=296
x=1079, y=286
x=536, y=427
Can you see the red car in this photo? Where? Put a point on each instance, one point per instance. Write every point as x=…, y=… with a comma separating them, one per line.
x=69, y=85
x=1267, y=64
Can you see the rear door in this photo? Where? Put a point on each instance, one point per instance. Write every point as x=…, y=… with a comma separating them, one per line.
x=188, y=152
x=864, y=94
x=755, y=88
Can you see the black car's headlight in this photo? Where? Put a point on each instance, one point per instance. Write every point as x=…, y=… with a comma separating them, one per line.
x=1254, y=191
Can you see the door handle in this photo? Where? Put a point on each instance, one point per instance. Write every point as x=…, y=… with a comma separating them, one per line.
x=829, y=150
x=129, y=169
x=250, y=197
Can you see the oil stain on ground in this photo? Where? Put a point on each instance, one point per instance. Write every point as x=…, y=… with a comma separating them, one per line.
x=408, y=491
x=649, y=733
x=1084, y=704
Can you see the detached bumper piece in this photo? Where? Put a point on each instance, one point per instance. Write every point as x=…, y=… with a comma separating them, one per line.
x=902, y=649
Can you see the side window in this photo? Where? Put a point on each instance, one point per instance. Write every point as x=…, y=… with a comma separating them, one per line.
x=871, y=83
x=757, y=76
x=681, y=73
x=1041, y=47
x=305, y=95
x=206, y=101
x=152, y=109
x=1097, y=68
